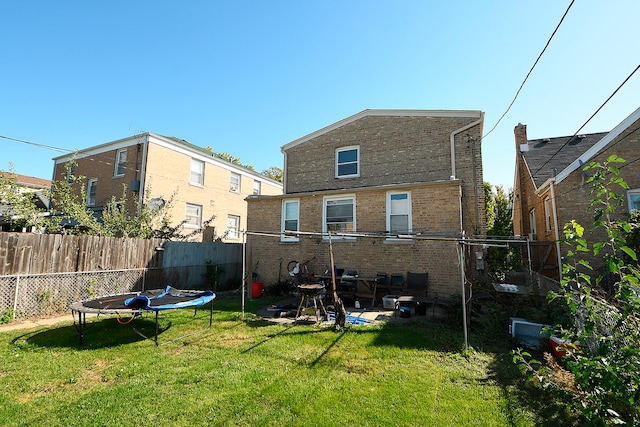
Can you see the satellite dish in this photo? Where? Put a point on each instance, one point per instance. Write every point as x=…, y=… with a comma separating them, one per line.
x=156, y=203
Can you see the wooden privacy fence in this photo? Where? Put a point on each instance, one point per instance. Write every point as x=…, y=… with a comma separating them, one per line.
x=44, y=274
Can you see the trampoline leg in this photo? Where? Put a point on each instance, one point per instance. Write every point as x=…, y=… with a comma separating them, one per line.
x=81, y=325
x=156, y=338
x=211, y=313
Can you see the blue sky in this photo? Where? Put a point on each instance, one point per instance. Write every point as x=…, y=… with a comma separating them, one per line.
x=247, y=77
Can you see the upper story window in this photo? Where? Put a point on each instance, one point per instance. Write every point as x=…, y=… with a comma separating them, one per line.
x=339, y=214
x=196, y=176
x=547, y=215
x=235, y=182
x=633, y=199
x=257, y=187
x=348, y=162
x=233, y=227
x=121, y=162
x=71, y=170
x=193, y=215
x=92, y=186
x=290, y=219
x=399, y=212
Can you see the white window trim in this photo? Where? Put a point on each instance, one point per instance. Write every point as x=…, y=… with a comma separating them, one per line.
x=547, y=214
x=186, y=209
x=325, y=199
x=236, y=233
x=90, y=183
x=288, y=237
x=634, y=192
x=200, y=174
x=388, y=212
x=231, y=187
x=338, y=151
x=532, y=225
x=118, y=163
x=257, y=185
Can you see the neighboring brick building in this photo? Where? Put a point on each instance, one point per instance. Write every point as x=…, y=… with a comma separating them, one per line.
x=550, y=187
x=158, y=168
x=25, y=184
x=378, y=174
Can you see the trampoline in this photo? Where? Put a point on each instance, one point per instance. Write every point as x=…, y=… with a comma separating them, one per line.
x=134, y=304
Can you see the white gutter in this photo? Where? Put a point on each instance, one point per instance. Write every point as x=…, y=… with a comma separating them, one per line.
x=452, y=140
x=555, y=226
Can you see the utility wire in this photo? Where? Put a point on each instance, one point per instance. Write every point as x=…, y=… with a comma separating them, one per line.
x=61, y=150
x=585, y=123
x=529, y=73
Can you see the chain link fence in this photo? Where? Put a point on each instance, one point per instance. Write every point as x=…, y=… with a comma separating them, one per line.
x=42, y=295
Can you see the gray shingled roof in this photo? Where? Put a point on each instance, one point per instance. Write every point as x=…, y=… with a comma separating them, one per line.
x=543, y=157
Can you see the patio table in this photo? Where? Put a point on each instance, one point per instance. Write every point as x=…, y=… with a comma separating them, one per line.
x=369, y=282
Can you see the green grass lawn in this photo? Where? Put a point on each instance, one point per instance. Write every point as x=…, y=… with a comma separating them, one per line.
x=253, y=372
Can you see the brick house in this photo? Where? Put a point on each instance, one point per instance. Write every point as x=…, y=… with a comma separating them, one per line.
x=157, y=168
x=550, y=187
x=25, y=184
x=378, y=177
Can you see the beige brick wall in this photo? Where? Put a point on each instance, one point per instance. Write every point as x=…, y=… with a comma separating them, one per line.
x=395, y=150
x=435, y=208
x=167, y=173
x=574, y=193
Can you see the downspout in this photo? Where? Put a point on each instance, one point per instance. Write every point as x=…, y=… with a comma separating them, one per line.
x=452, y=141
x=143, y=167
x=555, y=227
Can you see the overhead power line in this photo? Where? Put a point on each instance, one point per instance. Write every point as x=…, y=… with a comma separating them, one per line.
x=585, y=123
x=529, y=73
x=61, y=150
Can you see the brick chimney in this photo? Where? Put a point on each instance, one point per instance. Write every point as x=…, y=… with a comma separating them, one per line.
x=522, y=144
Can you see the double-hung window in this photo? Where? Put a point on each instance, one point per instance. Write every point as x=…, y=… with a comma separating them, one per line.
x=532, y=225
x=257, y=187
x=233, y=226
x=348, y=162
x=547, y=215
x=92, y=187
x=193, y=215
x=234, y=184
x=196, y=177
x=633, y=198
x=399, y=212
x=339, y=214
x=290, y=220
x=121, y=162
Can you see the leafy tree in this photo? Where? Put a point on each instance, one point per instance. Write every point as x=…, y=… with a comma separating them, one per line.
x=21, y=207
x=117, y=219
x=274, y=173
x=499, y=224
x=604, y=326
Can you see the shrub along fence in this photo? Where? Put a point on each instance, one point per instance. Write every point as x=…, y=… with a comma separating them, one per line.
x=43, y=275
